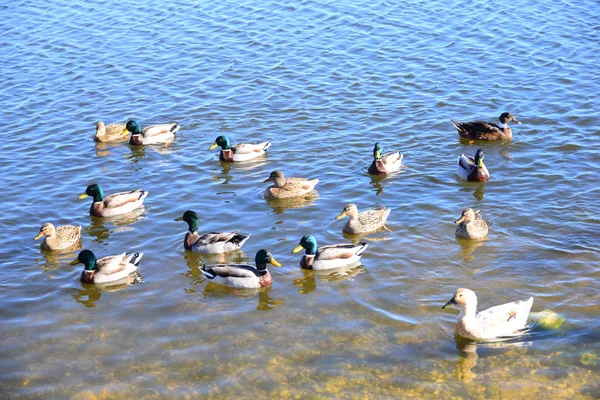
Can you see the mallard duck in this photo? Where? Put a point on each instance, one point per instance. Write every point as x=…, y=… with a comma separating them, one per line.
x=243, y=275
x=505, y=320
x=386, y=163
x=366, y=221
x=106, y=269
x=109, y=133
x=285, y=188
x=213, y=242
x=60, y=237
x=486, y=131
x=330, y=256
x=473, y=168
x=152, y=134
x=470, y=225
x=240, y=151
x=113, y=204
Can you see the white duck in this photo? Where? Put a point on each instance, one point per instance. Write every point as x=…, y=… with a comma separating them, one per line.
x=505, y=320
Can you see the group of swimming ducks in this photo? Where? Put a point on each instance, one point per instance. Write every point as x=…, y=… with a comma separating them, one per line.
x=505, y=320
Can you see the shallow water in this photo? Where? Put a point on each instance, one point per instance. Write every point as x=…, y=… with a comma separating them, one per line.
x=322, y=82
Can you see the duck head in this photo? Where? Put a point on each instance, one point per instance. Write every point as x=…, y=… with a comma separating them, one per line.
x=46, y=230
x=467, y=215
x=462, y=297
x=309, y=243
x=277, y=178
x=507, y=117
x=222, y=141
x=264, y=257
x=191, y=218
x=349, y=210
x=479, y=156
x=95, y=191
x=377, y=151
x=133, y=127
x=88, y=259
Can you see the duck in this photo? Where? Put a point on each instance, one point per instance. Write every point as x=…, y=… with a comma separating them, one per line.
x=161, y=133
x=109, y=133
x=330, y=256
x=59, y=238
x=113, y=204
x=106, y=269
x=243, y=276
x=506, y=320
x=285, y=188
x=213, y=242
x=366, y=221
x=385, y=163
x=240, y=151
x=486, y=131
x=473, y=168
x=470, y=225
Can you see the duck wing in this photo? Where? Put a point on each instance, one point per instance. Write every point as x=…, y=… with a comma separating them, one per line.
x=340, y=251
x=506, y=319
x=476, y=128
x=160, y=129
x=221, y=237
x=247, y=148
x=121, y=198
x=230, y=271
x=112, y=264
x=466, y=162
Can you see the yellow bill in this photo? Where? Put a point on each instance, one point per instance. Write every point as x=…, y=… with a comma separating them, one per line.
x=39, y=235
x=297, y=248
x=83, y=196
x=213, y=146
x=342, y=215
x=274, y=262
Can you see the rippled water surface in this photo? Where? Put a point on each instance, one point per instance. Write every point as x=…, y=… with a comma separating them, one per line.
x=322, y=81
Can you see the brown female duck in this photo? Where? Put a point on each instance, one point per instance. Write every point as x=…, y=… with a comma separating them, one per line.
x=486, y=131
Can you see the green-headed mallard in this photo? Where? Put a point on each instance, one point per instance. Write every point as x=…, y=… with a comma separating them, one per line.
x=109, y=133
x=240, y=151
x=60, y=237
x=106, y=269
x=470, y=225
x=213, y=242
x=113, y=204
x=484, y=130
x=505, y=320
x=285, y=188
x=385, y=163
x=364, y=222
x=161, y=133
x=473, y=168
x=330, y=256
x=243, y=275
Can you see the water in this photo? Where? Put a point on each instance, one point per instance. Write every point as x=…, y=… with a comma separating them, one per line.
x=322, y=82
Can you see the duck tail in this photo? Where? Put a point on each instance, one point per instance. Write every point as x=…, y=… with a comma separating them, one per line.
x=175, y=128
x=362, y=249
x=208, y=272
x=240, y=238
x=135, y=258
x=458, y=127
x=266, y=146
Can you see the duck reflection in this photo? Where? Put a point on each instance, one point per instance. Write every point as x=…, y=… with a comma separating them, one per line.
x=376, y=183
x=468, y=247
x=89, y=294
x=279, y=206
x=370, y=236
x=100, y=232
x=265, y=300
x=103, y=149
x=54, y=259
x=308, y=283
x=479, y=193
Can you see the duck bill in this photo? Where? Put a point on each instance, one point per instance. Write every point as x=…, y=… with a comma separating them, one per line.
x=450, y=303
x=480, y=163
x=83, y=196
x=213, y=146
x=274, y=262
x=297, y=248
x=125, y=132
x=378, y=154
x=74, y=262
x=342, y=215
x=179, y=218
x=267, y=180
x=458, y=221
x=39, y=235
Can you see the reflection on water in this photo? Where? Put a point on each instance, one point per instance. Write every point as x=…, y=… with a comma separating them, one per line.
x=308, y=283
x=98, y=227
x=103, y=149
x=54, y=259
x=280, y=205
x=467, y=247
x=265, y=300
x=479, y=193
x=380, y=235
x=90, y=294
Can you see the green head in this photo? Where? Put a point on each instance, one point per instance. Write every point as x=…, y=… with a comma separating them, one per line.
x=133, y=127
x=87, y=258
x=309, y=243
x=222, y=141
x=479, y=158
x=377, y=151
x=191, y=218
x=95, y=191
x=264, y=257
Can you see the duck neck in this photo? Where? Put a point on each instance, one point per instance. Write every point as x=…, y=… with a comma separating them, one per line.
x=503, y=126
x=468, y=311
x=279, y=181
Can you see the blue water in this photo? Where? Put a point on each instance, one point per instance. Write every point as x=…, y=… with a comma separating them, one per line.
x=322, y=81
